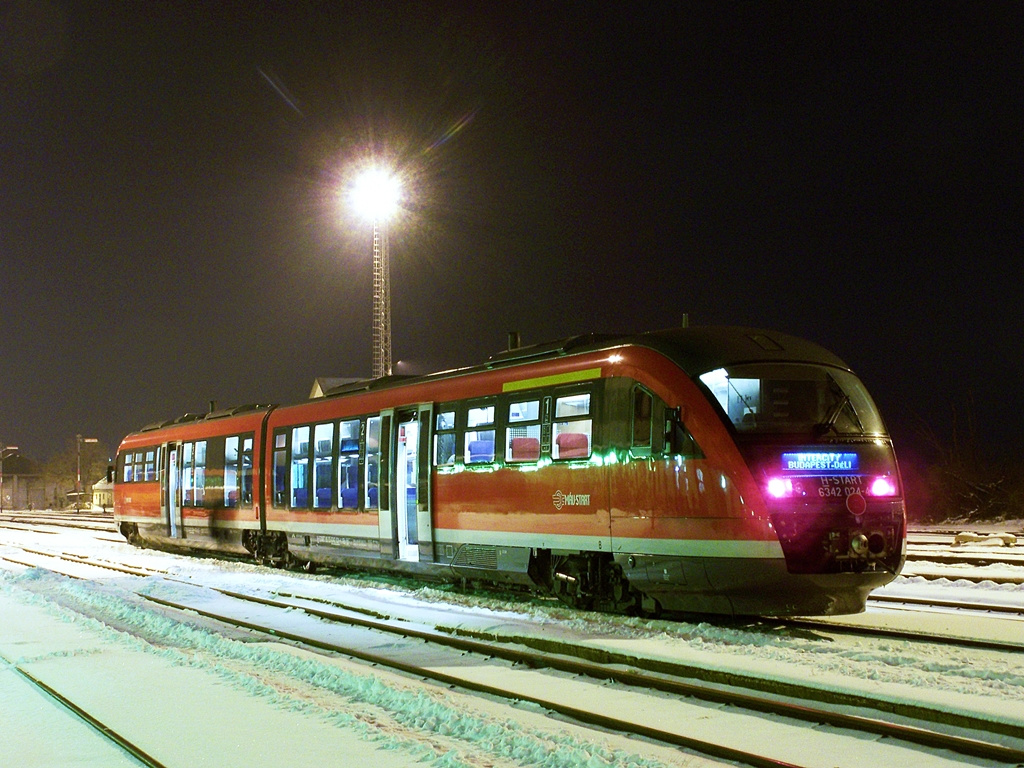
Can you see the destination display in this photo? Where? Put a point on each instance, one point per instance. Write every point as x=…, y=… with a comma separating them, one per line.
x=820, y=461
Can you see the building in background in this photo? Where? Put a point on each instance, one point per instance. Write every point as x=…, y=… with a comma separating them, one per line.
x=103, y=494
x=24, y=486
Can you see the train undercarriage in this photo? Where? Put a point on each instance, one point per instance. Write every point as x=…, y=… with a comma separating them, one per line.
x=623, y=584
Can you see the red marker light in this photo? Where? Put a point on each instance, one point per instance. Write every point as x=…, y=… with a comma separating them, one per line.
x=780, y=487
x=883, y=486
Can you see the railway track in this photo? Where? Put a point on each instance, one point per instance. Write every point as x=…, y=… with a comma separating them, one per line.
x=642, y=678
x=102, y=523
x=907, y=601
x=42, y=521
x=103, y=731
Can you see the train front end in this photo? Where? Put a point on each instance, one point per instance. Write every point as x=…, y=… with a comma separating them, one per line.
x=818, y=450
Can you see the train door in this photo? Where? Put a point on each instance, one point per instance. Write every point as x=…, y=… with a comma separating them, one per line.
x=633, y=480
x=385, y=524
x=406, y=450
x=405, y=516
x=424, y=501
x=171, y=487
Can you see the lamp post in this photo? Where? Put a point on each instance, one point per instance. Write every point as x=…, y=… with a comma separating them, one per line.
x=3, y=450
x=375, y=195
x=78, y=478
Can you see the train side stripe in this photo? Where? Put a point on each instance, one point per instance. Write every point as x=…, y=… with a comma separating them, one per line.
x=547, y=381
x=728, y=548
x=349, y=530
x=725, y=548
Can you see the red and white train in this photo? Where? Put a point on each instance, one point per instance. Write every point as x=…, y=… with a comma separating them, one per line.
x=703, y=469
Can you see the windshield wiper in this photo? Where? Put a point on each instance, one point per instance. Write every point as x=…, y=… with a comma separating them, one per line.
x=829, y=424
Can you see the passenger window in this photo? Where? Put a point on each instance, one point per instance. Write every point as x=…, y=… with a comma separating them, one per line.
x=348, y=464
x=372, y=461
x=444, y=439
x=479, y=442
x=246, y=469
x=522, y=435
x=572, y=432
x=323, y=466
x=300, y=468
x=193, y=473
x=642, y=413
x=231, y=471
x=237, y=470
x=187, y=474
x=280, y=468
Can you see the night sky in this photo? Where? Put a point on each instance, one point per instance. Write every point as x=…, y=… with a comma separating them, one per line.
x=174, y=226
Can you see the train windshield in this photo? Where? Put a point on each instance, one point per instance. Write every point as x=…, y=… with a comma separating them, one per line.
x=794, y=398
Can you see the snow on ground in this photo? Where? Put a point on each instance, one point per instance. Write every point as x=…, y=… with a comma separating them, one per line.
x=226, y=701
x=330, y=707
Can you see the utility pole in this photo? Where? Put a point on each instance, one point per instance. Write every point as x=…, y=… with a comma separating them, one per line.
x=78, y=478
x=381, y=301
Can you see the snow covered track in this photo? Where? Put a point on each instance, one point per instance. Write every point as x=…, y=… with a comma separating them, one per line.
x=633, y=691
x=84, y=520
x=105, y=732
x=979, y=556
x=1010, y=611
x=669, y=679
x=454, y=670
x=145, y=670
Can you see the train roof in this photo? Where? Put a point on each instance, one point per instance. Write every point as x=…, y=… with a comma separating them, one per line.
x=189, y=418
x=704, y=348
x=695, y=349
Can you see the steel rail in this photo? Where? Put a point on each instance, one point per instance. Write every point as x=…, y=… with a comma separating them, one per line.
x=968, y=558
x=104, y=730
x=900, y=634
x=940, y=603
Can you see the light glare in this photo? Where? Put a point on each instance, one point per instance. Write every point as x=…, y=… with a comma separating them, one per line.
x=780, y=487
x=883, y=486
x=376, y=194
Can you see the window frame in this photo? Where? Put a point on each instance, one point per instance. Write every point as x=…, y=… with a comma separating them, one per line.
x=532, y=426
x=559, y=424
x=475, y=431
x=446, y=433
x=342, y=461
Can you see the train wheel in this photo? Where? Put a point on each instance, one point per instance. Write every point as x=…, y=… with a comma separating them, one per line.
x=250, y=540
x=271, y=550
x=130, y=531
x=570, y=581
